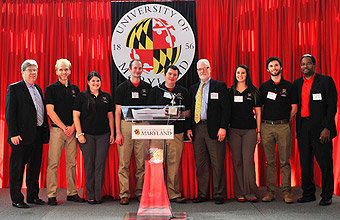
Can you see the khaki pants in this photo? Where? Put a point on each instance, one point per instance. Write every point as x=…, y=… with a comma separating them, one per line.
x=280, y=135
x=172, y=157
x=58, y=140
x=124, y=153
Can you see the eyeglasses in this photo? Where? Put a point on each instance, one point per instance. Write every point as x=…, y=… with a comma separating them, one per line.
x=203, y=69
x=306, y=64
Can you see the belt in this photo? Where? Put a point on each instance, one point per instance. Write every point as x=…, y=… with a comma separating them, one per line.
x=277, y=122
x=136, y=122
x=203, y=122
x=305, y=118
x=54, y=125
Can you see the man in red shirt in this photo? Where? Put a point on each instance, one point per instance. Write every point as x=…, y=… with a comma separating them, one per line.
x=315, y=129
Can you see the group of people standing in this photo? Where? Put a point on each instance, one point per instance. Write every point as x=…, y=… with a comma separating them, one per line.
x=214, y=113
x=313, y=99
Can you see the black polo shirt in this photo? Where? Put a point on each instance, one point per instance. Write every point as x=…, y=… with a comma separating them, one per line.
x=242, y=109
x=94, y=123
x=129, y=95
x=160, y=97
x=62, y=98
x=277, y=99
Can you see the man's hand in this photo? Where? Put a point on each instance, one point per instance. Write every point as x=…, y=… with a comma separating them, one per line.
x=119, y=139
x=16, y=140
x=325, y=136
x=69, y=130
x=190, y=135
x=221, y=134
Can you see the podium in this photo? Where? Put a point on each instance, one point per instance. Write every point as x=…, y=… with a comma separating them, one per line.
x=154, y=203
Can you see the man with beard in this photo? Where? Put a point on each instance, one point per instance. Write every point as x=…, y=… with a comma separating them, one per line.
x=279, y=107
x=315, y=129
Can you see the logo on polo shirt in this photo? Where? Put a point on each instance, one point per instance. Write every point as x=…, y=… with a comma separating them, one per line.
x=157, y=35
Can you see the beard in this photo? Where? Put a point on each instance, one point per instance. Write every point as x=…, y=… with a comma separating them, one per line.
x=278, y=73
x=204, y=77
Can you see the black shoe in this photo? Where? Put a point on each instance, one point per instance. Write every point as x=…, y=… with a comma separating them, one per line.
x=325, y=202
x=91, y=202
x=20, y=205
x=98, y=201
x=219, y=201
x=305, y=199
x=75, y=198
x=200, y=199
x=36, y=201
x=52, y=201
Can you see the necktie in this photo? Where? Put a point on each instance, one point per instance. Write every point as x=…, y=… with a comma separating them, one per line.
x=198, y=104
x=38, y=107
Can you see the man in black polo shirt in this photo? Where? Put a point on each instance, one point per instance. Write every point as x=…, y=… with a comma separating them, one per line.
x=132, y=92
x=279, y=107
x=162, y=95
x=59, y=105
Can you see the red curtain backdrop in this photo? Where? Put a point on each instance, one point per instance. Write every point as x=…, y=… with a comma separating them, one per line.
x=230, y=32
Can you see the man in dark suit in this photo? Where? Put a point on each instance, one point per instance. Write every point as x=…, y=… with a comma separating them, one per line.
x=315, y=129
x=210, y=118
x=27, y=130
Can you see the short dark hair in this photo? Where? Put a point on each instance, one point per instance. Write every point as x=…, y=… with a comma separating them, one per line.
x=137, y=60
x=310, y=56
x=171, y=67
x=270, y=59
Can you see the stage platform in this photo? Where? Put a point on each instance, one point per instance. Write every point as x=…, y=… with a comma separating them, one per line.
x=231, y=209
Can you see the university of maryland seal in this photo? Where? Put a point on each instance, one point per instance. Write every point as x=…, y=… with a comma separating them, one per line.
x=156, y=34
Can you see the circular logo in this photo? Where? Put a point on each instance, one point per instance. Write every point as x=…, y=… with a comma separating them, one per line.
x=157, y=35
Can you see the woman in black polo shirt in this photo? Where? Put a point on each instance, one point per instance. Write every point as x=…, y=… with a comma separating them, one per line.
x=244, y=133
x=93, y=119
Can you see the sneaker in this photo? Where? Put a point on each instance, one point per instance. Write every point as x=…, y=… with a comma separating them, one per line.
x=75, y=198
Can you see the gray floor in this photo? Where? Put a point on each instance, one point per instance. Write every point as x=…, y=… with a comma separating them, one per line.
x=111, y=209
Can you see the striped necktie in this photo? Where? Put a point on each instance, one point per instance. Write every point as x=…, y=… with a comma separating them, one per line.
x=38, y=107
x=198, y=104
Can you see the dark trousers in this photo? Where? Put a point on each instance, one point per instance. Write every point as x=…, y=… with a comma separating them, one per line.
x=309, y=147
x=242, y=143
x=21, y=155
x=208, y=150
x=94, y=153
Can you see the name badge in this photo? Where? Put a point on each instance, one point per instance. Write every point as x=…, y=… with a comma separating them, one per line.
x=317, y=96
x=214, y=95
x=271, y=95
x=238, y=98
x=167, y=95
x=135, y=95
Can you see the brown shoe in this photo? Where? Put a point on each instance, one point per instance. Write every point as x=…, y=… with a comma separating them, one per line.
x=270, y=196
x=124, y=201
x=179, y=200
x=287, y=197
